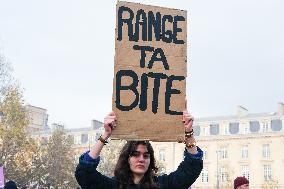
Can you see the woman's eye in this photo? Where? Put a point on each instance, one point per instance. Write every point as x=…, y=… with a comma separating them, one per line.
x=146, y=156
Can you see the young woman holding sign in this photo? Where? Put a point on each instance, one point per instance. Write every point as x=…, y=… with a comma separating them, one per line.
x=136, y=167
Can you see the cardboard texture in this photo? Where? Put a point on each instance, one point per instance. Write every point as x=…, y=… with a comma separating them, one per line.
x=137, y=73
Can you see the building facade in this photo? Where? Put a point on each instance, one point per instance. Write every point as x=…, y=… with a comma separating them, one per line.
x=38, y=118
x=83, y=138
x=244, y=144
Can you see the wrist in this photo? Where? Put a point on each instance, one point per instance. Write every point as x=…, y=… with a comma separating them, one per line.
x=190, y=141
x=105, y=135
x=102, y=140
x=188, y=134
x=191, y=146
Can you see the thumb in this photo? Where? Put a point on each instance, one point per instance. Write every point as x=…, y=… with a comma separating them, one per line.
x=185, y=104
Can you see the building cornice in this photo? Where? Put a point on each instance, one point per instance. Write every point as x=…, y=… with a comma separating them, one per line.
x=239, y=136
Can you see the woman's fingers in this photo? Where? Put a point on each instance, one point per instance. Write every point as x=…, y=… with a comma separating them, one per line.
x=113, y=124
x=187, y=117
x=111, y=113
x=110, y=120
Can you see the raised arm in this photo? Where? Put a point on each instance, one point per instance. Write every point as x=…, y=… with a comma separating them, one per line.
x=86, y=172
x=109, y=126
x=190, y=168
x=188, y=130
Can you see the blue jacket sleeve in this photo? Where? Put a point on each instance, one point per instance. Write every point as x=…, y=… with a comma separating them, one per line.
x=87, y=175
x=186, y=173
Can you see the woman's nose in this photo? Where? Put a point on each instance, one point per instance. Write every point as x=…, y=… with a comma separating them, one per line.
x=141, y=157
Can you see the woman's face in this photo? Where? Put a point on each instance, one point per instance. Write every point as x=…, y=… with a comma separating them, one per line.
x=139, y=160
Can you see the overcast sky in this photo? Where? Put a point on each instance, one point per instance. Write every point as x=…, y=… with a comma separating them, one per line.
x=62, y=52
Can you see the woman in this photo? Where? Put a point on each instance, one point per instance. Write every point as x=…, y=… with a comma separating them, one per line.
x=136, y=167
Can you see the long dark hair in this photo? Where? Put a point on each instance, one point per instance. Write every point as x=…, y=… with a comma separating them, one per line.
x=122, y=169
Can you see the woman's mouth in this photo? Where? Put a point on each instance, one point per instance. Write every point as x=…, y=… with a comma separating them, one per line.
x=140, y=166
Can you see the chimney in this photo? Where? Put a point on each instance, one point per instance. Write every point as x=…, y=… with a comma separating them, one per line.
x=57, y=126
x=241, y=111
x=280, y=108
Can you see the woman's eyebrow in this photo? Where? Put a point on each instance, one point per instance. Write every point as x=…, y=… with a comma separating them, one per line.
x=141, y=152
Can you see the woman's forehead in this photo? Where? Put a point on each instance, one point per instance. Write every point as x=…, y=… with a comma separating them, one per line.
x=141, y=148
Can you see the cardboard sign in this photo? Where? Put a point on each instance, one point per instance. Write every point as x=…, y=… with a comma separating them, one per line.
x=149, y=72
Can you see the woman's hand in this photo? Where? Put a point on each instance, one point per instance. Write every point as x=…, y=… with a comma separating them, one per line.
x=110, y=123
x=187, y=119
x=189, y=140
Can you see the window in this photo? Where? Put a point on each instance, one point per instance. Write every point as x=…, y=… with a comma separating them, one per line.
x=84, y=138
x=244, y=152
x=245, y=171
x=223, y=174
x=267, y=172
x=265, y=151
x=196, y=129
x=204, y=175
x=276, y=125
x=162, y=155
x=254, y=126
x=223, y=153
x=234, y=127
x=214, y=129
x=264, y=127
